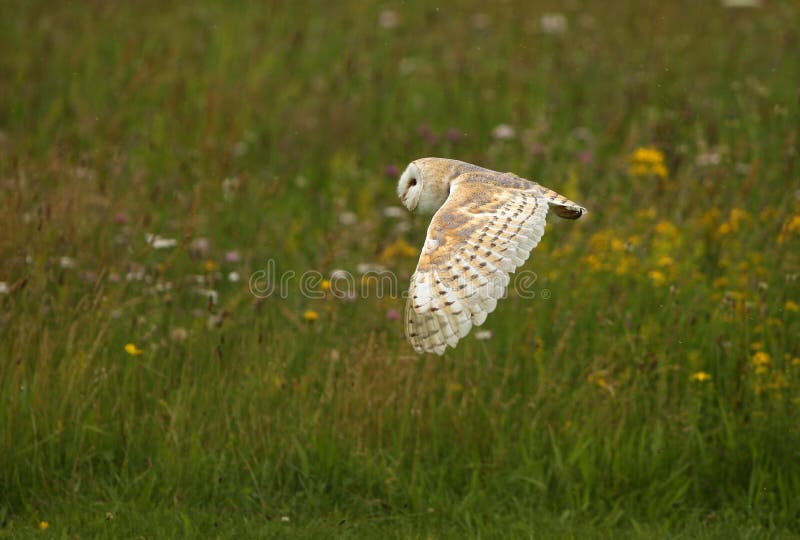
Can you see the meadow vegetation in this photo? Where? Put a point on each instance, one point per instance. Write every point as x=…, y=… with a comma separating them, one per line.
x=154, y=155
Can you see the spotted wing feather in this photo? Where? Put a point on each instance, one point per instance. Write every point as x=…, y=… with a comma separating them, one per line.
x=480, y=234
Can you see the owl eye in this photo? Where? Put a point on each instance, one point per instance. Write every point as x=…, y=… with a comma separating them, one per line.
x=412, y=182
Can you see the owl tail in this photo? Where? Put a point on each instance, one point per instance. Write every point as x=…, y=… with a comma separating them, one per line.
x=563, y=207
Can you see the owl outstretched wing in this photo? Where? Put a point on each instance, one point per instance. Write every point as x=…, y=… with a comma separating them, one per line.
x=485, y=229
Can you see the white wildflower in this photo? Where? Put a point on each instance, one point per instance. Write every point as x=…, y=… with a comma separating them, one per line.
x=741, y=3
x=214, y=321
x=401, y=227
x=394, y=212
x=179, y=334
x=230, y=186
x=135, y=274
x=199, y=248
x=348, y=218
x=211, y=294
x=159, y=242
x=163, y=286
x=707, y=159
x=67, y=262
x=503, y=132
x=553, y=23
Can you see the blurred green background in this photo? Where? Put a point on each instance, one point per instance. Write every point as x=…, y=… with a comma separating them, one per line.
x=154, y=155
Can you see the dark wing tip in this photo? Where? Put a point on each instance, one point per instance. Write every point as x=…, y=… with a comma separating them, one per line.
x=569, y=212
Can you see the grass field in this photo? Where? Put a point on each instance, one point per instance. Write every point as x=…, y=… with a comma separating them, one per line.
x=156, y=155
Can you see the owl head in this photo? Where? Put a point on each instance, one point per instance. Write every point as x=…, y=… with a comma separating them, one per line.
x=409, y=188
x=425, y=184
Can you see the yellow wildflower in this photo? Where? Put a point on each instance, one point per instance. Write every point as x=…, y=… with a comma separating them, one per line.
x=657, y=276
x=791, y=226
x=325, y=285
x=209, y=265
x=700, y=376
x=646, y=213
x=796, y=361
x=454, y=387
x=734, y=296
x=774, y=321
x=599, y=379
x=646, y=162
x=310, y=315
x=600, y=240
x=407, y=250
x=400, y=248
x=665, y=228
x=649, y=155
x=593, y=262
x=624, y=265
x=710, y=218
x=737, y=215
x=43, y=525
x=778, y=382
x=756, y=345
x=791, y=305
x=768, y=214
x=133, y=350
x=720, y=282
x=761, y=361
x=666, y=261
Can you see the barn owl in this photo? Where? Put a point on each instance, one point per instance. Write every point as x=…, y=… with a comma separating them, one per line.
x=485, y=224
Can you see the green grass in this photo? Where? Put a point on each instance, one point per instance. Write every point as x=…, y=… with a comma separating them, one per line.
x=256, y=128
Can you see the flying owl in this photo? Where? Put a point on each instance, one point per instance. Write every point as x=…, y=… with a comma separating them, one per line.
x=485, y=224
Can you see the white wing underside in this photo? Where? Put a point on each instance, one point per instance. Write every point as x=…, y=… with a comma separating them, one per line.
x=479, y=235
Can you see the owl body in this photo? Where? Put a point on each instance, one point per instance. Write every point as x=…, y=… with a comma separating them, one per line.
x=484, y=226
